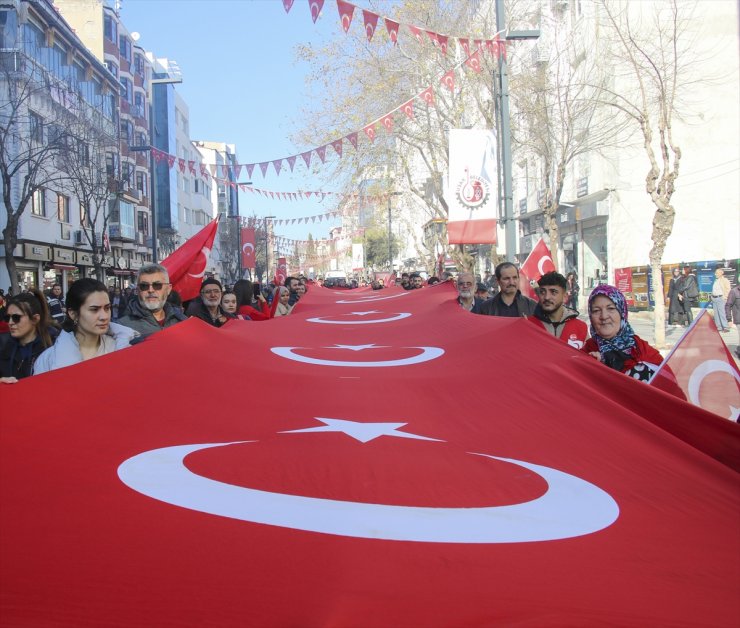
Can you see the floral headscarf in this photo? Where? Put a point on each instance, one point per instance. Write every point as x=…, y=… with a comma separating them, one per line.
x=625, y=338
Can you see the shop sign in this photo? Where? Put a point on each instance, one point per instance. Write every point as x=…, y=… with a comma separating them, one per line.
x=623, y=281
x=84, y=259
x=582, y=187
x=134, y=264
x=64, y=256
x=37, y=252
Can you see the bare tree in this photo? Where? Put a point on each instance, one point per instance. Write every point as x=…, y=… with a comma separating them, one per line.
x=28, y=156
x=373, y=79
x=651, y=49
x=87, y=142
x=558, y=114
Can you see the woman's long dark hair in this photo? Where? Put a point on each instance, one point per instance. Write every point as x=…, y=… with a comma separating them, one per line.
x=244, y=291
x=31, y=303
x=77, y=295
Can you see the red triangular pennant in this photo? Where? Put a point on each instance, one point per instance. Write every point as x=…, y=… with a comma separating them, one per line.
x=416, y=32
x=250, y=169
x=181, y=164
x=277, y=164
x=387, y=122
x=473, y=61
x=448, y=80
x=287, y=4
x=352, y=137
x=371, y=22
x=465, y=44
x=337, y=144
x=345, y=13
x=315, y=6
x=392, y=28
x=408, y=109
x=307, y=158
x=428, y=95
x=442, y=40
x=370, y=131
x=321, y=152
x=170, y=160
x=263, y=167
x=291, y=162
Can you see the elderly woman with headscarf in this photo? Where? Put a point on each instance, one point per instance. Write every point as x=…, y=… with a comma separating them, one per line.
x=280, y=299
x=613, y=341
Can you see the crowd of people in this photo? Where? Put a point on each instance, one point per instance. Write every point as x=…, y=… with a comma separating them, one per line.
x=47, y=332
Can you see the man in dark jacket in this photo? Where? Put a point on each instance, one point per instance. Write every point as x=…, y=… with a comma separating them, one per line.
x=552, y=314
x=465, y=295
x=207, y=307
x=148, y=312
x=509, y=301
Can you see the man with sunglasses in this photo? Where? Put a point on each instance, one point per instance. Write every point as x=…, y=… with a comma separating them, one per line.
x=149, y=312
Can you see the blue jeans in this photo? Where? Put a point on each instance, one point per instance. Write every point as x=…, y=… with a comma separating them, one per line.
x=720, y=319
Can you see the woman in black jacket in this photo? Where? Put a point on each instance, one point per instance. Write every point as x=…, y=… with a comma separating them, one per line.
x=29, y=336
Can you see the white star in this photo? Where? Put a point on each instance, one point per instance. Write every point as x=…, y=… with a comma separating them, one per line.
x=362, y=432
x=355, y=347
x=363, y=313
x=734, y=413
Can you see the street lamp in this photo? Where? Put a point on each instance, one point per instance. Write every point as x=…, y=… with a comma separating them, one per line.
x=237, y=220
x=503, y=98
x=390, y=233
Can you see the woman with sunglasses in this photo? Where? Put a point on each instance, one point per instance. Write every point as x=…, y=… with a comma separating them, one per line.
x=30, y=334
x=87, y=330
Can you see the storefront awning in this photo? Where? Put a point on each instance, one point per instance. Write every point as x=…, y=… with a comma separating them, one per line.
x=63, y=267
x=123, y=272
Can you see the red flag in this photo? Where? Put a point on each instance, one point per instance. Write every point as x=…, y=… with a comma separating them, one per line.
x=287, y=4
x=622, y=505
x=428, y=95
x=408, y=109
x=315, y=6
x=277, y=164
x=704, y=370
x=465, y=43
x=352, y=137
x=387, y=122
x=448, y=80
x=392, y=28
x=473, y=61
x=371, y=22
x=281, y=272
x=263, y=166
x=291, y=161
x=346, y=9
x=370, y=131
x=538, y=262
x=307, y=158
x=416, y=32
x=187, y=264
x=337, y=144
x=248, y=247
x=321, y=152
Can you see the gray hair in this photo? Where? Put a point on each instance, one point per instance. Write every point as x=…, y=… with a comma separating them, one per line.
x=150, y=269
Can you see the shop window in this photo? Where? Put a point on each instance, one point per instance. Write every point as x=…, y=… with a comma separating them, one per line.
x=62, y=208
x=8, y=28
x=38, y=203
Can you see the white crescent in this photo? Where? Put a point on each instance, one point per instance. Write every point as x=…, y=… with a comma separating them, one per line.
x=541, y=263
x=569, y=508
x=248, y=245
x=704, y=369
x=370, y=299
x=206, y=254
x=321, y=319
x=427, y=354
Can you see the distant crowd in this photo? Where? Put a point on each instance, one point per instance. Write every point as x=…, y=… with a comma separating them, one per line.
x=40, y=333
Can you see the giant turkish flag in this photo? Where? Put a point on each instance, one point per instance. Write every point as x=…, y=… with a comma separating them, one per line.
x=187, y=264
x=386, y=489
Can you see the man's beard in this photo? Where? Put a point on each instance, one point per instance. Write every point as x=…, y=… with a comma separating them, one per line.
x=153, y=306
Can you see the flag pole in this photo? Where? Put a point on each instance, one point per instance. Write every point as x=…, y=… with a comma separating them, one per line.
x=680, y=340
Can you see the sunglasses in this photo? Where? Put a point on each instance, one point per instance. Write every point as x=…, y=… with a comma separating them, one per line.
x=156, y=285
x=16, y=318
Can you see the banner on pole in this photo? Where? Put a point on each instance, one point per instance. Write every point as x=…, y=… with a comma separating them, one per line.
x=248, y=247
x=472, y=187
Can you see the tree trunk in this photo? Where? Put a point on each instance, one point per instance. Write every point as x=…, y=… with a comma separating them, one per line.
x=10, y=239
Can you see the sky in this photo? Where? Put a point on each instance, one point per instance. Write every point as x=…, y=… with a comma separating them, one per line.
x=243, y=86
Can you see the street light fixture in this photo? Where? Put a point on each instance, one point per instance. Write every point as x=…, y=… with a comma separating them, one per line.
x=267, y=251
x=237, y=220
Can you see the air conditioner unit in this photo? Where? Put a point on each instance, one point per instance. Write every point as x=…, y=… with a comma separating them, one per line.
x=80, y=237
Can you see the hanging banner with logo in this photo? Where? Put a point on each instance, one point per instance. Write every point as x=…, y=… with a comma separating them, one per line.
x=248, y=247
x=358, y=257
x=613, y=502
x=472, y=191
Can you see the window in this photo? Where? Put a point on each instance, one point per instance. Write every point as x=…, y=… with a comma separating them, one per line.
x=84, y=222
x=124, y=45
x=8, y=26
x=143, y=223
x=37, y=127
x=112, y=68
x=110, y=28
x=38, y=203
x=127, y=131
x=111, y=163
x=141, y=183
x=139, y=65
x=126, y=91
x=83, y=152
x=139, y=105
x=196, y=186
x=141, y=139
x=62, y=208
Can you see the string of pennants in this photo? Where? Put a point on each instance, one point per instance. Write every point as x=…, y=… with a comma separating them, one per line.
x=370, y=21
x=281, y=241
x=427, y=96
